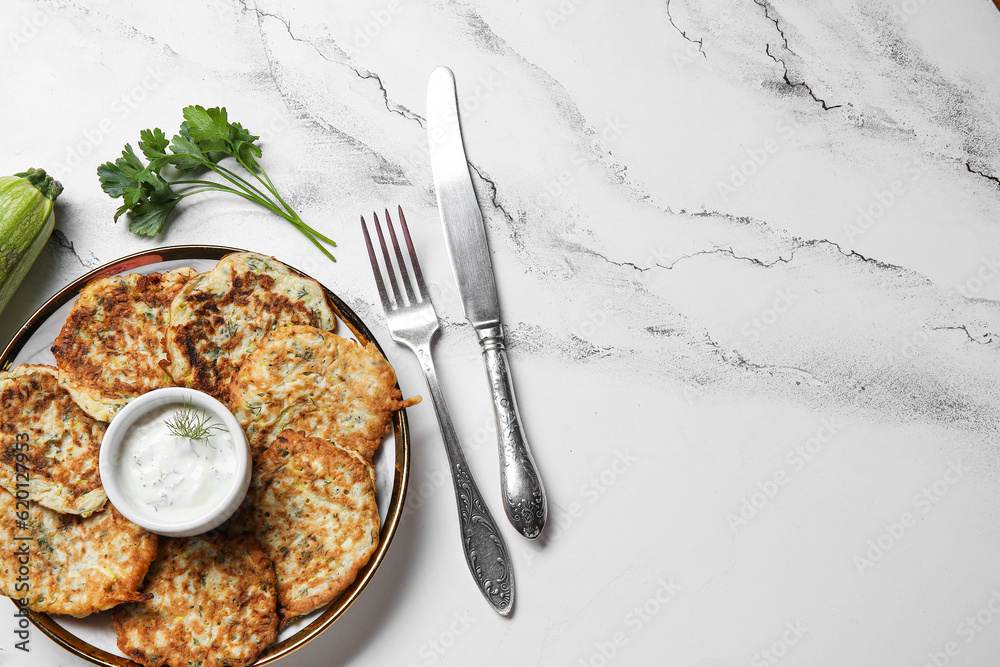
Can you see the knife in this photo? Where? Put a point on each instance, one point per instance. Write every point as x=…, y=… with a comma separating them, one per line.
x=468, y=249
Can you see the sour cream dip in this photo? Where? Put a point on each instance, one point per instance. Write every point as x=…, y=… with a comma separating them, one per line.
x=175, y=461
x=176, y=477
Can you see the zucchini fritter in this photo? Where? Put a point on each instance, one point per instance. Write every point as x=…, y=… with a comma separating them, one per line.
x=213, y=604
x=219, y=316
x=75, y=566
x=313, y=381
x=48, y=442
x=313, y=509
x=111, y=348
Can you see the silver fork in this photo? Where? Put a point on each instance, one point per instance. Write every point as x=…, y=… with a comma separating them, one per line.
x=413, y=322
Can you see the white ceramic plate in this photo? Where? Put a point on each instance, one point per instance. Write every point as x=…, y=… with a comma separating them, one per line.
x=94, y=637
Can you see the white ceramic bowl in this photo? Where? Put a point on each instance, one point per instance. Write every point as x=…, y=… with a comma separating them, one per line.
x=111, y=453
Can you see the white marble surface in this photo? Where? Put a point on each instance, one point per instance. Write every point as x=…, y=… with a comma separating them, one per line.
x=748, y=256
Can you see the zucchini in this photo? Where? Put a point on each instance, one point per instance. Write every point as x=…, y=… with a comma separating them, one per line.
x=27, y=216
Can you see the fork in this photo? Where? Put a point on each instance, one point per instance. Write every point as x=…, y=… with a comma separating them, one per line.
x=413, y=322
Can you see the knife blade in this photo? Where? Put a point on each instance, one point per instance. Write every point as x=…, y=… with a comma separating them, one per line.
x=468, y=250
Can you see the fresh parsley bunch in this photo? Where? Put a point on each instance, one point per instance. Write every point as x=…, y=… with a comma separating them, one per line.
x=206, y=137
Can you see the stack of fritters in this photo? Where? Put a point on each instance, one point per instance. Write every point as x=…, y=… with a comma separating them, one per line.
x=76, y=566
x=112, y=347
x=312, y=506
x=219, y=316
x=314, y=381
x=212, y=603
x=80, y=554
x=47, y=443
x=315, y=407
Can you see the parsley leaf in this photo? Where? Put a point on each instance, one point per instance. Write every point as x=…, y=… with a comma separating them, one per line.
x=148, y=218
x=147, y=197
x=244, y=147
x=205, y=138
x=113, y=179
x=153, y=145
x=187, y=154
x=209, y=127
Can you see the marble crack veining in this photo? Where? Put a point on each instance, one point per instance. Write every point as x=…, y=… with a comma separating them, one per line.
x=371, y=76
x=62, y=244
x=982, y=339
x=784, y=66
x=777, y=26
x=748, y=262
x=683, y=33
x=990, y=177
x=803, y=84
x=494, y=195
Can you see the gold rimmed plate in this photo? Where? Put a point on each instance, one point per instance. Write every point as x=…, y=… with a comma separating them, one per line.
x=93, y=638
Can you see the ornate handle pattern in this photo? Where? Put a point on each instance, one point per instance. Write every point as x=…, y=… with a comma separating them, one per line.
x=520, y=484
x=485, y=550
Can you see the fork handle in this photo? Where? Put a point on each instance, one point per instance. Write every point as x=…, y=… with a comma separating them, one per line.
x=520, y=484
x=485, y=550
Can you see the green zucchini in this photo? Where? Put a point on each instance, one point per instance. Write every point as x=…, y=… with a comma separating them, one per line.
x=27, y=216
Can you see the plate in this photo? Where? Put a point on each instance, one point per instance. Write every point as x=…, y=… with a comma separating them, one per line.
x=93, y=637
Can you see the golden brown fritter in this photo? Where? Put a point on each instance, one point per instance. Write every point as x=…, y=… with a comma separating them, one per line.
x=313, y=508
x=73, y=565
x=111, y=347
x=48, y=443
x=219, y=316
x=316, y=382
x=213, y=604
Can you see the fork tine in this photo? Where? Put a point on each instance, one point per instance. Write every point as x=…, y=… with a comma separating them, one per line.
x=417, y=274
x=386, y=304
x=388, y=264
x=404, y=276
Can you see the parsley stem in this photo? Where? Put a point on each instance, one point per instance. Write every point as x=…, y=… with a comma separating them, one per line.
x=220, y=187
x=206, y=137
x=234, y=178
x=270, y=186
x=212, y=185
x=292, y=216
x=315, y=237
x=194, y=192
x=317, y=233
x=316, y=243
x=258, y=197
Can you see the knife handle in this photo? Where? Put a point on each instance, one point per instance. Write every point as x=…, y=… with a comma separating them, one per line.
x=520, y=484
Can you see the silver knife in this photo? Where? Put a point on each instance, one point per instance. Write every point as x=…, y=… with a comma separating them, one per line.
x=465, y=235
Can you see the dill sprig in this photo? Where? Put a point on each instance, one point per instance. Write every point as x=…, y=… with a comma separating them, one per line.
x=189, y=423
